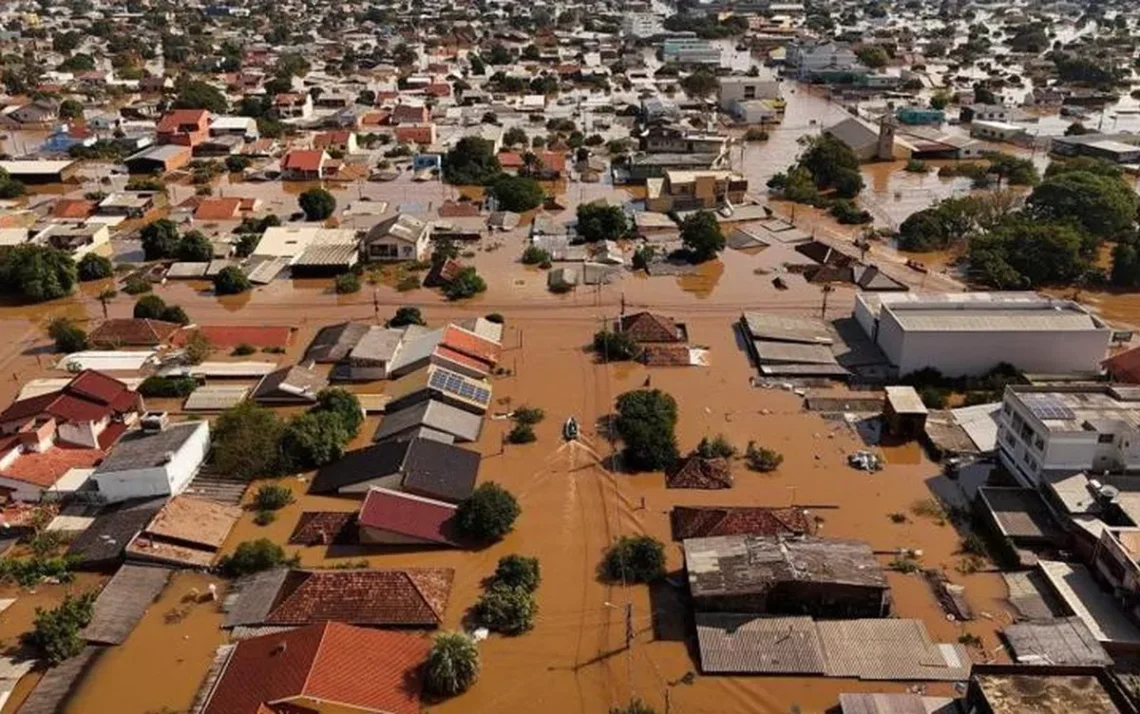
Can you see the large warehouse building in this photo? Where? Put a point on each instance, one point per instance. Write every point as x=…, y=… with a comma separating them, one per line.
x=971, y=333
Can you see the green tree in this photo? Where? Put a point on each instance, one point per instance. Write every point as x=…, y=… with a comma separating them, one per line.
x=940, y=100
x=515, y=136
x=615, y=346
x=56, y=632
x=94, y=267
x=471, y=161
x=253, y=556
x=230, y=280
x=70, y=109
x=36, y=273
x=149, y=307
x=78, y=62
x=488, y=514
x=317, y=203
x=701, y=236
x=313, y=439
x=272, y=497
x=517, y=193
x=761, y=459
x=406, y=315
x=467, y=283
x=195, y=94
x=68, y=336
x=635, y=706
x=344, y=405
x=634, y=559
x=700, y=84
x=236, y=163
x=246, y=442
x=517, y=571
x=452, y=664
x=167, y=387
x=1104, y=206
x=195, y=248
x=293, y=64
x=346, y=283
x=1125, y=264
x=507, y=610
x=830, y=162
x=873, y=56
x=598, y=221
x=160, y=239
x=175, y=313
x=1023, y=252
x=646, y=420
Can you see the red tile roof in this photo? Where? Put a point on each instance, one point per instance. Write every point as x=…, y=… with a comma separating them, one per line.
x=1124, y=367
x=510, y=160
x=72, y=208
x=133, y=331
x=438, y=89
x=410, y=114
x=459, y=358
x=44, y=469
x=324, y=528
x=458, y=209
x=90, y=396
x=408, y=515
x=648, y=327
x=417, y=134
x=374, y=118
x=553, y=161
x=227, y=336
x=175, y=119
x=217, y=209
x=331, y=138
x=705, y=522
x=374, y=671
x=407, y=598
x=286, y=100
x=699, y=472
x=304, y=160
x=471, y=344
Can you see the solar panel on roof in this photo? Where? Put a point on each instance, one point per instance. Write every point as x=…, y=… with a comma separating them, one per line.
x=1044, y=407
x=453, y=383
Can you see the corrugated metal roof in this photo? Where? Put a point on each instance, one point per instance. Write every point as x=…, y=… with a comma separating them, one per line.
x=942, y=319
x=1061, y=641
x=889, y=649
x=215, y=398
x=123, y=360
x=1096, y=608
x=766, y=326
x=741, y=644
x=329, y=255
x=123, y=602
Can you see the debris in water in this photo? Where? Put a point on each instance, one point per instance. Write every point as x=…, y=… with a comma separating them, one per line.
x=865, y=461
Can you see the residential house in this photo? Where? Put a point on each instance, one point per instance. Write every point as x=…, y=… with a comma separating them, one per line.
x=307, y=669
x=78, y=240
x=690, y=190
x=92, y=411
x=423, y=467
x=647, y=327
x=551, y=165
x=708, y=521
x=441, y=384
x=242, y=127
x=102, y=545
x=184, y=127
x=987, y=112
x=294, y=106
x=283, y=597
x=341, y=141
x=76, y=210
x=410, y=114
x=825, y=62
x=214, y=210
x=159, y=459
x=32, y=171
x=735, y=89
x=401, y=237
x=821, y=577
x=429, y=420
x=690, y=51
x=453, y=347
x=305, y=165
x=36, y=466
x=664, y=139
x=40, y=113
x=290, y=385
x=371, y=356
x=129, y=204
x=159, y=160
x=699, y=472
x=132, y=332
x=418, y=134
x=188, y=531
x=333, y=343
x=389, y=517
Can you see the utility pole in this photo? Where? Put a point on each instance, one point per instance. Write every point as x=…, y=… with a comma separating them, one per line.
x=826, y=291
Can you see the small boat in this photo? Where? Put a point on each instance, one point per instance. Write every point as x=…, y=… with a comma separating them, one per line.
x=570, y=429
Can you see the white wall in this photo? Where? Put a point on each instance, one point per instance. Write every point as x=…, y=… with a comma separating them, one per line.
x=959, y=352
x=185, y=464
x=169, y=479
x=22, y=491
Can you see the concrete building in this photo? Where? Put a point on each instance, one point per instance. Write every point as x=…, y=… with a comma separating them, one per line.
x=741, y=89
x=690, y=51
x=157, y=460
x=641, y=24
x=811, y=61
x=1048, y=432
x=996, y=130
x=691, y=190
x=971, y=333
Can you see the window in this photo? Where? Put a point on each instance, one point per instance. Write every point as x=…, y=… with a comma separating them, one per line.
x=1039, y=443
x=750, y=92
x=1104, y=438
x=382, y=250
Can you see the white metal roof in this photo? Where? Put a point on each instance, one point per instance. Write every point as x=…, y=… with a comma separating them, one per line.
x=106, y=361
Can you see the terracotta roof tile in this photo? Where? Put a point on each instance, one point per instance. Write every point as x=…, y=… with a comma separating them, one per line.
x=133, y=331
x=90, y=396
x=365, y=597
x=704, y=522
x=471, y=344
x=304, y=160
x=370, y=670
x=1124, y=367
x=218, y=209
x=173, y=120
x=648, y=327
x=324, y=528
x=699, y=472
x=72, y=208
x=458, y=209
x=44, y=469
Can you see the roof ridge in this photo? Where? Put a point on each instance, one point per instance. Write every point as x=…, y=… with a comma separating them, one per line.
x=316, y=655
x=408, y=573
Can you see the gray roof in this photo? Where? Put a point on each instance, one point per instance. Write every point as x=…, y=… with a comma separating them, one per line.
x=123, y=602
x=416, y=350
x=250, y=598
x=766, y=326
x=1062, y=641
x=290, y=384
x=105, y=539
x=329, y=255
x=333, y=343
x=854, y=132
x=161, y=152
x=1019, y=512
x=732, y=565
x=747, y=644
x=464, y=426
x=792, y=352
x=1039, y=316
x=378, y=344
x=141, y=449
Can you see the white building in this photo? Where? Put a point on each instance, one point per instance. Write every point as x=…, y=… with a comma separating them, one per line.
x=158, y=460
x=971, y=333
x=1056, y=430
x=810, y=58
x=641, y=24
x=742, y=89
x=690, y=51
